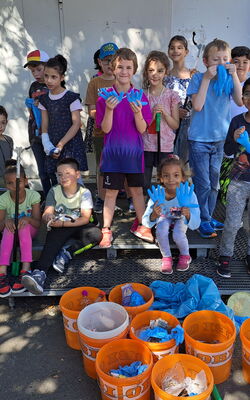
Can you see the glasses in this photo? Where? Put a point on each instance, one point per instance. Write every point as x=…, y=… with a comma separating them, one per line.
x=106, y=62
x=246, y=95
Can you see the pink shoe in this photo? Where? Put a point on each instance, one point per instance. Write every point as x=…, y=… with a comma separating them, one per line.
x=134, y=225
x=106, y=238
x=183, y=263
x=167, y=265
x=144, y=233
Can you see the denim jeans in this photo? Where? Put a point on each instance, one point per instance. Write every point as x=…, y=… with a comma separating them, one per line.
x=205, y=159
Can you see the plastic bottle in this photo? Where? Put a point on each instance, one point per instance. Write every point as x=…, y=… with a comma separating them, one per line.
x=85, y=301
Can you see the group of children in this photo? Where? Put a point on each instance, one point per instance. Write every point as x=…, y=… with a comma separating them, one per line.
x=128, y=144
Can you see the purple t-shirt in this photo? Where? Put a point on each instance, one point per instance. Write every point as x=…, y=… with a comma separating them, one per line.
x=123, y=145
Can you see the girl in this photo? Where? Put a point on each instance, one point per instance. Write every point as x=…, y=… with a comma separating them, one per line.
x=171, y=173
x=61, y=133
x=178, y=80
x=29, y=222
x=161, y=100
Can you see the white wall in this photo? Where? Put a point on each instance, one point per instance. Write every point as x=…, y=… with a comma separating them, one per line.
x=78, y=27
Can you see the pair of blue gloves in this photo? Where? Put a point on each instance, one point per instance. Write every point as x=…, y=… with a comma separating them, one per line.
x=224, y=81
x=184, y=195
x=132, y=96
x=244, y=140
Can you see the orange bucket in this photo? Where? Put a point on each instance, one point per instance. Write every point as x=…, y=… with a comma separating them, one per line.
x=115, y=295
x=70, y=306
x=245, y=341
x=120, y=353
x=142, y=320
x=191, y=365
x=208, y=326
x=98, y=324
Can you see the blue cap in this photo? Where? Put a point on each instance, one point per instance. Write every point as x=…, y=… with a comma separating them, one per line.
x=107, y=49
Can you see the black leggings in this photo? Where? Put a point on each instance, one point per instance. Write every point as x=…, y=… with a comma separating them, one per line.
x=57, y=237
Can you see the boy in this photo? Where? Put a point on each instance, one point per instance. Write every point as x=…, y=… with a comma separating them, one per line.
x=67, y=213
x=105, y=80
x=209, y=124
x=239, y=188
x=123, y=124
x=241, y=59
x=36, y=61
x=6, y=144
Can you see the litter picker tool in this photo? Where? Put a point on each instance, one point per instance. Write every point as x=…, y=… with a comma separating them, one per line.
x=15, y=263
x=158, y=132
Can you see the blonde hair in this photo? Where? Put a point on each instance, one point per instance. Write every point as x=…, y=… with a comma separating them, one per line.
x=218, y=44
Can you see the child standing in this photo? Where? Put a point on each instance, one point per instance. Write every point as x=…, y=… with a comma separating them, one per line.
x=105, y=80
x=6, y=144
x=123, y=123
x=162, y=100
x=28, y=224
x=209, y=124
x=239, y=189
x=178, y=80
x=171, y=173
x=68, y=210
x=36, y=60
x=61, y=133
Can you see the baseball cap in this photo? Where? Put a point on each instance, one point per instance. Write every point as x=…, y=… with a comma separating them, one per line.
x=36, y=57
x=108, y=49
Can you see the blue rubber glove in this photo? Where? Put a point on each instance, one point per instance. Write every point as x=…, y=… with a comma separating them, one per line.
x=157, y=194
x=177, y=334
x=105, y=94
x=244, y=141
x=136, y=97
x=184, y=195
x=224, y=81
x=36, y=112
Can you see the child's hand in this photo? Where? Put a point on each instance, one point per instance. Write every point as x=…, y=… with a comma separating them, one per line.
x=136, y=107
x=238, y=132
x=57, y=223
x=10, y=225
x=185, y=212
x=48, y=217
x=112, y=102
x=22, y=222
x=231, y=68
x=182, y=112
x=157, y=211
x=211, y=72
x=158, y=108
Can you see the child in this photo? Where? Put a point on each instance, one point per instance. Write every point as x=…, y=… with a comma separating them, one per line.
x=123, y=123
x=178, y=80
x=68, y=211
x=6, y=144
x=28, y=224
x=36, y=60
x=171, y=173
x=239, y=189
x=209, y=124
x=61, y=133
x=241, y=59
x=162, y=100
x=105, y=80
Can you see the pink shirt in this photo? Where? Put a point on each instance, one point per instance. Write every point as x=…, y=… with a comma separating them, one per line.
x=168, y=99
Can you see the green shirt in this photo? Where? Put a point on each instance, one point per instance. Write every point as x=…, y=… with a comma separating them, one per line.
x=25, y=209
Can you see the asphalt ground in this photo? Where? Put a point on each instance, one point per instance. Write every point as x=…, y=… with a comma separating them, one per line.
x=37, y=364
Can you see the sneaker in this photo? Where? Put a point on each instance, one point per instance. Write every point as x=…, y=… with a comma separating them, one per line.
x=98, y=206
x=61, y=260
x=167, y=265
x=134, y=225
x=224, y=267
x=248, y=263
x=206, y=230
x=131, y=208
x=18, y=287
x=183, y=263
x=217, y=225
x=5, y=289
x=34, y=281
x=107, y=238
x=144, y=233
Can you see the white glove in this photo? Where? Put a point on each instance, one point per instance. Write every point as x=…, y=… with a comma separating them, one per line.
x=48, y=147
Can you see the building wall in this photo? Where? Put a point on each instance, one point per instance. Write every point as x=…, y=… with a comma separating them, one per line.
x=77, y=28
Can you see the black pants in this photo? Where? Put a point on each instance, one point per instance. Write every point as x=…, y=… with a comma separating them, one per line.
x=57, y=237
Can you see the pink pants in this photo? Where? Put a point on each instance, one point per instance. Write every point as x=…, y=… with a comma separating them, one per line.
x=25, y=242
